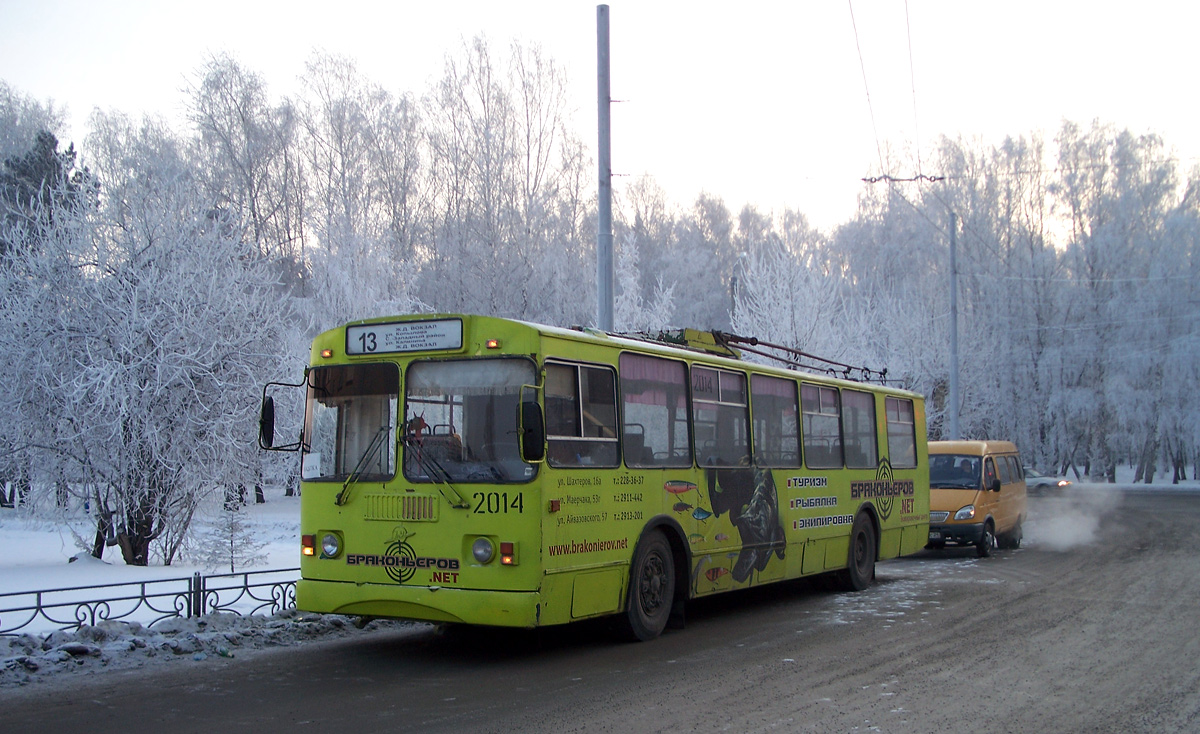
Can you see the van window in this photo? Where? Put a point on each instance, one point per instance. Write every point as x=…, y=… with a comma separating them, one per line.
x=989, y=473
x=953, y=471
x=1005, y=471
x=1015, y=470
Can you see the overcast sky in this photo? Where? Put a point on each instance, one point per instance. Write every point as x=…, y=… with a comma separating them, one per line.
x=760, y=102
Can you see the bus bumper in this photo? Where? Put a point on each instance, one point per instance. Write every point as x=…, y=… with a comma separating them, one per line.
x=425, y=603
x=956, y=533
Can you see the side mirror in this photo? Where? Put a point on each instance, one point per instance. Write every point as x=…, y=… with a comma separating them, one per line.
x=266, y=423
x=531, y=431
x=266, y=418
x=995, y=485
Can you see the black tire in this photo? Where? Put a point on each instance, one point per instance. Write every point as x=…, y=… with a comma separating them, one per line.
x=860, y=562
x=987, y=543
x=651, y=588
x=1012, y=540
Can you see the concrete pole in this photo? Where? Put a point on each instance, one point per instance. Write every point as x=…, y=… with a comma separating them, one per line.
x=952, y=409
x=604, y=237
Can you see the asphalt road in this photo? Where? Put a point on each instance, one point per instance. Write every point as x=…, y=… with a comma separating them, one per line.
x=1094, y=625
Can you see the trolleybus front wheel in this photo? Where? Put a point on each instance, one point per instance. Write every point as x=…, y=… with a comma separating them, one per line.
x=651, y=588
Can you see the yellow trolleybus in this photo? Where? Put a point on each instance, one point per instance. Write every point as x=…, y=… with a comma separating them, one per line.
x=467, y=469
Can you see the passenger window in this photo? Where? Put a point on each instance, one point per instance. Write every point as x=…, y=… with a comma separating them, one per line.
x=1014, y=469
x=820, y=412
x=654, y=412
x=989, y=473
x=859, y=429
x=776, y=421
x=719, y=417
x=581, y=415
x=1003, y=467
x=901, y=425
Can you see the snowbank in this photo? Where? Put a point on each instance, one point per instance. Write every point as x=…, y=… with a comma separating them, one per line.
x=50, y=559
x=27, y=659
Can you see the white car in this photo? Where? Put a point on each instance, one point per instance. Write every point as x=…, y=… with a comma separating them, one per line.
x=1039, y=483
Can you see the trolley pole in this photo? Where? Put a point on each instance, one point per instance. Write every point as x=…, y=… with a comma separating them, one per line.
x=604, y=238
x=952, y=409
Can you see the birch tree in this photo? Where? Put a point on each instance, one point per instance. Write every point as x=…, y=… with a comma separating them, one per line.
x=246, y=157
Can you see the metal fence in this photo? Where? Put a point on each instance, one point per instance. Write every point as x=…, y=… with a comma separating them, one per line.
x=148, y=602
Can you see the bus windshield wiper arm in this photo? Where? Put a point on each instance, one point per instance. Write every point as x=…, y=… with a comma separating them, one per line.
x=365, y=459
x=437, y=473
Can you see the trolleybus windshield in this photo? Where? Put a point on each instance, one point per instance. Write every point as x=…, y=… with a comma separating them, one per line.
x=460, y=420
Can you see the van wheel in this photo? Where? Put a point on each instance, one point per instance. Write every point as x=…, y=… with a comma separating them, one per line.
x=651, y=588
x=860, y=564
x=1013, y=539
x=987, y=543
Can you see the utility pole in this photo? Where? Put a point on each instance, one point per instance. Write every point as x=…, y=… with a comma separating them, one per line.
x=604, y=237
x=952, y=408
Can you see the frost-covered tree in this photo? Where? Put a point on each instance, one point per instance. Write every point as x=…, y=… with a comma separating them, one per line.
x=246, y=158
x=35, y=186
x=22, y=119
x=228, y=541
x=506, y=229
x=149, y=327
x=631, y=312
x=361, y=153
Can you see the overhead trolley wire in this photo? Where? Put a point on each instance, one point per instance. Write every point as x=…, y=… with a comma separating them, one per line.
x=866, y=88
x=912, y=80
x=912, y=77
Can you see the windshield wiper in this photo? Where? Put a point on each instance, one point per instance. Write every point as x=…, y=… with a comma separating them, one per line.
x=369, y=454
x=438, y=474
x=949, y=484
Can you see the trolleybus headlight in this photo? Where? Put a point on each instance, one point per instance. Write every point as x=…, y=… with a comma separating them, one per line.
x=331, y=545
x=965, y=513
x=483, y=550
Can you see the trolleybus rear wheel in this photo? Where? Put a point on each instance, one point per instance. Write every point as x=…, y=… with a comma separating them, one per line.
x=860, y=566
x=651, y=588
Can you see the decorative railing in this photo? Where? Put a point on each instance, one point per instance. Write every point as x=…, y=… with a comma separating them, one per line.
x=148, y=602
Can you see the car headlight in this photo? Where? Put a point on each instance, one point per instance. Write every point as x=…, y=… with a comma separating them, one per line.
x=483, y=550
x=331, y=545
x=965, y=513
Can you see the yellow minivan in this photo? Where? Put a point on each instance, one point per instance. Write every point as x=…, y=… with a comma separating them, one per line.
x=976, y=495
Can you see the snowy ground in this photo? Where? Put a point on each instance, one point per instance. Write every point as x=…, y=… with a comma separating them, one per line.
x=40, y=653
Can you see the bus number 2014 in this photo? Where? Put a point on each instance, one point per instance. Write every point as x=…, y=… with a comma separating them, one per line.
x=495, y=503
